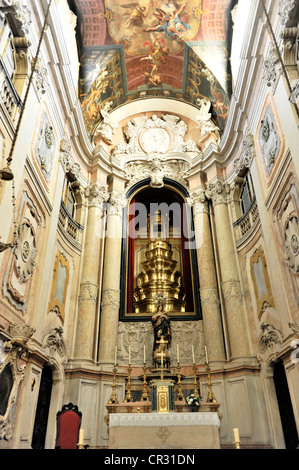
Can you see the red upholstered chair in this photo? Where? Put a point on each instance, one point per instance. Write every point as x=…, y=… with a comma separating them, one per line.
x=68, y=425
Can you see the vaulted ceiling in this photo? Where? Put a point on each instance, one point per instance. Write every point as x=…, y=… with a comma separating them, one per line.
x=154, y=48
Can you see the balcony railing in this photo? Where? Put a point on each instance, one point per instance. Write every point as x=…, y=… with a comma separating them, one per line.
x=244, y=226
x=70, y=227
x=8, y=94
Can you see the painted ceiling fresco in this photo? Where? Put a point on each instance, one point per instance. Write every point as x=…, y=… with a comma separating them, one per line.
x=173, y=49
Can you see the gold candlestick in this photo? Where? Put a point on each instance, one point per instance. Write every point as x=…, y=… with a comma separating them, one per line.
x=237, y=438
x=180, y=395
x=211, y=397
x=129, y=397
x=145, y=395
x=162, y=370
x=195, y=382
x=113, y=397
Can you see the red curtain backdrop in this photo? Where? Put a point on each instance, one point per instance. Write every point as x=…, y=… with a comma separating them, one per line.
x=131, y=259
x=186, y=263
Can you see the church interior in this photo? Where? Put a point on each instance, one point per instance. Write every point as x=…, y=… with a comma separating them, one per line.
x=149, y=207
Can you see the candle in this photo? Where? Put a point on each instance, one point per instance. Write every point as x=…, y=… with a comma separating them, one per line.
x=144, y=353
x=129, y=355
x=178, y=355
x=81, y=436
x=115, y=355
x=193, y=354
x=207, y=359
x=236, y=434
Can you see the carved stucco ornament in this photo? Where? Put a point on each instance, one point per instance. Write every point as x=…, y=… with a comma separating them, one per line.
x=269, y=337
x=15, y=351
x=207, y=127
x=69, y=166
x=54, y=342
x=269, y=140
x=285, y=10
x=219, y=192
x=247, y=154
x=25, y=252
x=155, y=134
x=156, y=167
x=107, y=127
x=20, y=12
x=272, y=69
x=291, y=244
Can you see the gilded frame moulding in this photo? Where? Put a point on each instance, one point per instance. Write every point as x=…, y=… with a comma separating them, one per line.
x=55, y=301
x=267, y=296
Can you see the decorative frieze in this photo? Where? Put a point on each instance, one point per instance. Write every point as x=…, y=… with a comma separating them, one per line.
x=111, y=297
x=209, y=295
x=231, y=289
x=88, y=292
x=140, y=334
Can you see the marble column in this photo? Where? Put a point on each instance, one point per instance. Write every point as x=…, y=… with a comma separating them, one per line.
x=111, y=281
x=230, y=282
x=89, y=285
x=210, y=303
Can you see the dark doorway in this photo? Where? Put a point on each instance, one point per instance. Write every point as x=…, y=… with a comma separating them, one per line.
x=42, y=410
x=285, y=406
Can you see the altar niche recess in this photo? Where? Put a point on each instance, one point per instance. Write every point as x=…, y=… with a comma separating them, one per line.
x=158, y=254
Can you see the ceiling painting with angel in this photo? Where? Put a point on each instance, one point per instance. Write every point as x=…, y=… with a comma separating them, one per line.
x=176, y=49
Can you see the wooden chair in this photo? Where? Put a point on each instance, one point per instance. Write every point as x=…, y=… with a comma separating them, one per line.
x=68, y=426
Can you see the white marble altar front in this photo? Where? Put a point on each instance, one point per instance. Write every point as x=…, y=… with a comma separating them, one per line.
x=164, y=431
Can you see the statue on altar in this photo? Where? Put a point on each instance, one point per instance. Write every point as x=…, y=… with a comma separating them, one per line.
x=162, y=337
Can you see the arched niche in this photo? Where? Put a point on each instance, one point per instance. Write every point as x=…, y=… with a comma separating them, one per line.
x=138, y=277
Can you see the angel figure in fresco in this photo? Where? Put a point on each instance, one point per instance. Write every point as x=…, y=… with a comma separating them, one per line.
x=137, y=14
x=172, y=23
x=158, y=54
